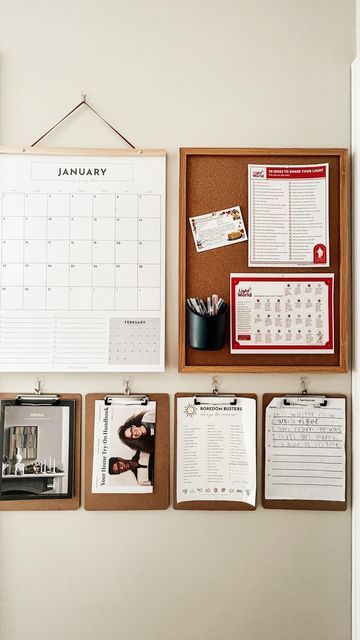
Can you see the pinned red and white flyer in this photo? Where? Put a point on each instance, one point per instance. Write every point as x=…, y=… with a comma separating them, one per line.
x=289, y=215
x=282, y=313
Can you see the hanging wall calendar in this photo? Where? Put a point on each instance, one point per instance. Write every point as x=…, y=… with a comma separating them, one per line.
x=82, y=267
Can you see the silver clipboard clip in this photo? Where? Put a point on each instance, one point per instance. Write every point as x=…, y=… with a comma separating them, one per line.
x=44, y=398
x=127, y=398
x=225, y=398
x=304, y=400
x=38, y=398
x=307, y=401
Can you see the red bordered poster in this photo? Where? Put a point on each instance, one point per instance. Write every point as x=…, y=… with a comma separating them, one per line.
x=282, y=313
x=289, y=215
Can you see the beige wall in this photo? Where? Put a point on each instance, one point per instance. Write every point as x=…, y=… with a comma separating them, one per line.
x=170, y=74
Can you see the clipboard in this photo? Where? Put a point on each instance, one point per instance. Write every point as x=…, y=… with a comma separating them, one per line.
x=159, y=498
x=210, y=505
x=320, y=505
x=43, y=502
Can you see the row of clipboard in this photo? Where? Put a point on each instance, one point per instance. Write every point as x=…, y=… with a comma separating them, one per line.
x=303, y=443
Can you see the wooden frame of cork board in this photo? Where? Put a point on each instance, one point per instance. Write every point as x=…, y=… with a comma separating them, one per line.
x=160, y=497
x=214, y=179
x=310, y=505
x=53, y=504
x=207, y=505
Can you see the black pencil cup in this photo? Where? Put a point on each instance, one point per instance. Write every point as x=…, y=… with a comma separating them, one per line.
x=206, y=332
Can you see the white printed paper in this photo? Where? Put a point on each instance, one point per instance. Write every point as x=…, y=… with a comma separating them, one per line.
x=216, y=450
x=218, y=229
x=289, y=215
x=282, y=313
x=82, y=262
x=124, y=446
x=305, y=449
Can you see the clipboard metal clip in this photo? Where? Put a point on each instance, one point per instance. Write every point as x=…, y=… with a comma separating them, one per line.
x=127, y=398
x=216, y=397
x=39, y=397
x=304, y=400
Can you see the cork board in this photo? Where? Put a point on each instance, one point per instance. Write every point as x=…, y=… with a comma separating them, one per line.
x=311, y=505
x=206, y=505
x=215, y=179
x=159, y=498
x=53, y=504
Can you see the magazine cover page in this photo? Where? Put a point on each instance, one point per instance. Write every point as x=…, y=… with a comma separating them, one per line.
x=124, y=445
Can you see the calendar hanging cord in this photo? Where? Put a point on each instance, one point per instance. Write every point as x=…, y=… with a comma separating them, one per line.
x=86, y=104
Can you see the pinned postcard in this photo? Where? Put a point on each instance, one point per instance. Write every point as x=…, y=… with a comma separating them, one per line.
x=218, y=229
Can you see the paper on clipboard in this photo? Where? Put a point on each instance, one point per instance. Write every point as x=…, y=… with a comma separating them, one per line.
x=305, y=449
x=124, y=447
x=216, y=450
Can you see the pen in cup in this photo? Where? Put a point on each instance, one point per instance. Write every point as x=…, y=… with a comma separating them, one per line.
x=211, y=307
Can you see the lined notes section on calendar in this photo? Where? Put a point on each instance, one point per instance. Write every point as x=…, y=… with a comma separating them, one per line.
x=80, y=339
x=78, y=343
x=82, y=248
x=25, y=343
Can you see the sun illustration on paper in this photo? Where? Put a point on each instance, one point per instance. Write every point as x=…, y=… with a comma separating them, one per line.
x=190, y=410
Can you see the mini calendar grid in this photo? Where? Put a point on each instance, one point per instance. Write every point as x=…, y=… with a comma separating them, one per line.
x=82, y=260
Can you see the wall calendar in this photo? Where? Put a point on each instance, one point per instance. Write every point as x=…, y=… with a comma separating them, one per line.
x=82, y=260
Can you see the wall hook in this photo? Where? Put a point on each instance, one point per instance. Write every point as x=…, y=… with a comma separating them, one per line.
x=39, y=382
x=215, y=385
x=126, y=385
x=304, y=383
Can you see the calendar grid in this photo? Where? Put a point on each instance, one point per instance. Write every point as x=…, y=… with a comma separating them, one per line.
x=80, y=251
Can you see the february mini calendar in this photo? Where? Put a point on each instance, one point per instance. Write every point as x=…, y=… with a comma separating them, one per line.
x=82, y=260
x=282, y=313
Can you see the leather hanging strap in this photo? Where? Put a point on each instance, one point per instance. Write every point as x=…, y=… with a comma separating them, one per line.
x=83, y=102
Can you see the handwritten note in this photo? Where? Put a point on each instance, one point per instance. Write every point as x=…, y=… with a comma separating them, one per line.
x=305, y=449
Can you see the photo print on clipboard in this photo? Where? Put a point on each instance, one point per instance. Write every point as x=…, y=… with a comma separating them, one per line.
x=124, y=447
x=37, y=449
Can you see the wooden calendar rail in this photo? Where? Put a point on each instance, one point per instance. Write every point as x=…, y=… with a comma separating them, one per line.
x=60, y=151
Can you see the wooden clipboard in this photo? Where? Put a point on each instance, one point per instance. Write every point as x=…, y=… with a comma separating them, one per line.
x=207, y=505
x=159, y=498
x=320, y=505
x=53, y=504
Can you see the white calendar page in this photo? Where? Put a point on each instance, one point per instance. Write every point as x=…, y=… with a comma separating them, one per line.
x=82, y=261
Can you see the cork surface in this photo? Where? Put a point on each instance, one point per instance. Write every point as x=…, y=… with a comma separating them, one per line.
x=210, y=181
